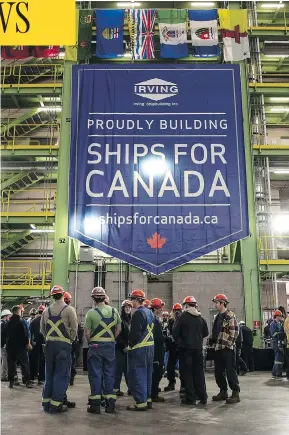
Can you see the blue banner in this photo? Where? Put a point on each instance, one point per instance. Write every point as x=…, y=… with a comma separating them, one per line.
x=157, y=167
x=109, y=33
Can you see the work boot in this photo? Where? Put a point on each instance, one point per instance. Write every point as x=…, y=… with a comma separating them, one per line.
x=150, y=405
x=128, y=392
x=203, y=402
x=170, y=387
x=182, y=390
x=235, y=398
x=158, y=399
x=110, y=406
x=69, y=404
x=119, y=393
x=29, y=384
x=136, y=408
x=223, y=395
x=11, y=384
x=94, y=409
x=188, y=402
x=57, y=409
x=71, y=382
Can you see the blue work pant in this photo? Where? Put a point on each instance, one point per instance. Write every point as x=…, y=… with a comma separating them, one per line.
x=140, y=368
x=57, y=372
x=101, y=371
x=278, y=361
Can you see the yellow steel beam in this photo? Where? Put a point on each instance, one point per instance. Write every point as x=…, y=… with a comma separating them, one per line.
x=27, y=214
x=25, y=287
x=269, y=85
x=271, y=147
x=31, y=85
x=29, y=147
x=276, y=261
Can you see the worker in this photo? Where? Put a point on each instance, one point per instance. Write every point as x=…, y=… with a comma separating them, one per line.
x=121, y=347
x=36, y=356
x=172, y=348
x=32, y=315
x=5, y=316
x=59, y=327
x=241, y=366
x=247, y=346
x=17, y=345
x=159, y=349
x=165, y=326
x=102, y=326
x=286, y=330
x=224, y=336
x=277, y=334
x=67, y=299
x=147, y=304
x=140, y=353
x=189, y=332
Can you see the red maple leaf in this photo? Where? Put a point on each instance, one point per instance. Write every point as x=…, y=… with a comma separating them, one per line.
x=156, y=241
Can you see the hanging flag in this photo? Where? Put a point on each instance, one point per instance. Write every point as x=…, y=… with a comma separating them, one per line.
x=234, y=31
x=45, y=51
x=143, y=22
x=204, y=32
x=82, y=48
x=173, y=33
x=15, y=52
x=109, y=33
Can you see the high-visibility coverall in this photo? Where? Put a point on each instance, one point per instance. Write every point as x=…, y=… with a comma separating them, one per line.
x=140, y=356
x=277, y=335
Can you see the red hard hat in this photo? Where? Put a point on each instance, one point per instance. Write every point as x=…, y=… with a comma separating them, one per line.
x=41, y=308
x=56, y=290
x=98, y=291
x=220, y=297
x=165, y=313
x=126, y=302
x=177, y=307
x=189, y=300
x=277, y=313
x=157, y=303
x=137, y=294
x=67, y=296
x=147, y=303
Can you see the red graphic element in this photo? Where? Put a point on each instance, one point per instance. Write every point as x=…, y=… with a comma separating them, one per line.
x=235, y=34
x=156, y=241
x=257, y=324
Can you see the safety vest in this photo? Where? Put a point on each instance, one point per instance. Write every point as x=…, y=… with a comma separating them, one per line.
x=147, y=338
x=55, y=328
x=105, y=331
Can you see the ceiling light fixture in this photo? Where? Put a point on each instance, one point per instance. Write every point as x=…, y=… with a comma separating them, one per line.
x=272, y=5
x=42, y=231
x=276, y=55
x=128, y=4
x=49, y=109
x=279, y=99
x=281, y=171
x=279, y=109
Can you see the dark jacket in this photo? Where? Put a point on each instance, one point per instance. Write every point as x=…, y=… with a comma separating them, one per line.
x=4, y=324
x=159, y=339
x=16, y=333
x=138, y=326
x=37, y=338
x=190, y=329
x=122, y=338
x=248, y=337
x=239, y=341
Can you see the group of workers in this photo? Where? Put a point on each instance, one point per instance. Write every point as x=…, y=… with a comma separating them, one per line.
x=132, y=344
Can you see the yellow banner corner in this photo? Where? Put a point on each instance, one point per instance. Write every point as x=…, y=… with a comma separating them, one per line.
x=34, y=22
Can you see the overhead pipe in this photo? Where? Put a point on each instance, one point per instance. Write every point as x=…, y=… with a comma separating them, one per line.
x=29, y=166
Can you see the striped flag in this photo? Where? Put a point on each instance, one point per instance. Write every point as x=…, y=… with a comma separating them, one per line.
x=173, y=33
x=204, y=32
x=143, y=21
x=234, y=30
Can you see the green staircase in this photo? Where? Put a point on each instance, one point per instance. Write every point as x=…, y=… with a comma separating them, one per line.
x=20, y=181
x=24, y=124
x=14, y=241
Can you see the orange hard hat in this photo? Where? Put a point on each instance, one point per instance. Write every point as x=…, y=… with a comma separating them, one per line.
x=165, y=313
x=147, y=303
x=67, y=296
x=189, y=300
x=56, y=290
x=220, y=297
x=277, y=313
x=126, y=302
x=157, y=303
x=177, y=307
x=41, y=308
x=98, y=291
x=137, y=294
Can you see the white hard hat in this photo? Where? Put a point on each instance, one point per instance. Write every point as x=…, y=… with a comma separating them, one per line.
x=6, y=313
x=242, y=322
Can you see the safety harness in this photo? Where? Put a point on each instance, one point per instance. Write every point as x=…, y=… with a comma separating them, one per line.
x=55, y=328
x=105, y=331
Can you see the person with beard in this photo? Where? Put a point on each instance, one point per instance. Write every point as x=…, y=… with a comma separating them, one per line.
x=121, y=347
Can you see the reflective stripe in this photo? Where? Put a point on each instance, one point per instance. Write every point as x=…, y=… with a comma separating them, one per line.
x=97, y=396
x=145, y=342
x=110, y=396
x=149, y=400
x=141, y=405
x=106, y=329
x=116, y=390
x=275, y=333
x=278, y=362
x=45, y=400
x=54, y=328
x=52, y=402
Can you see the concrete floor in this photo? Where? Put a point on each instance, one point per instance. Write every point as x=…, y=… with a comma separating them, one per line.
x=264, y=409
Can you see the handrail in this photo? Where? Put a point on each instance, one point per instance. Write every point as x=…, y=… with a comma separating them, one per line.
x=53, y=72
x=47, y=199
x=52, y=132
x=267, y=248
x=25, y=275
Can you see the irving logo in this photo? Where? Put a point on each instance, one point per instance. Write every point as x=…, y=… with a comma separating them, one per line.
x=35, y=22
x=156, y=89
